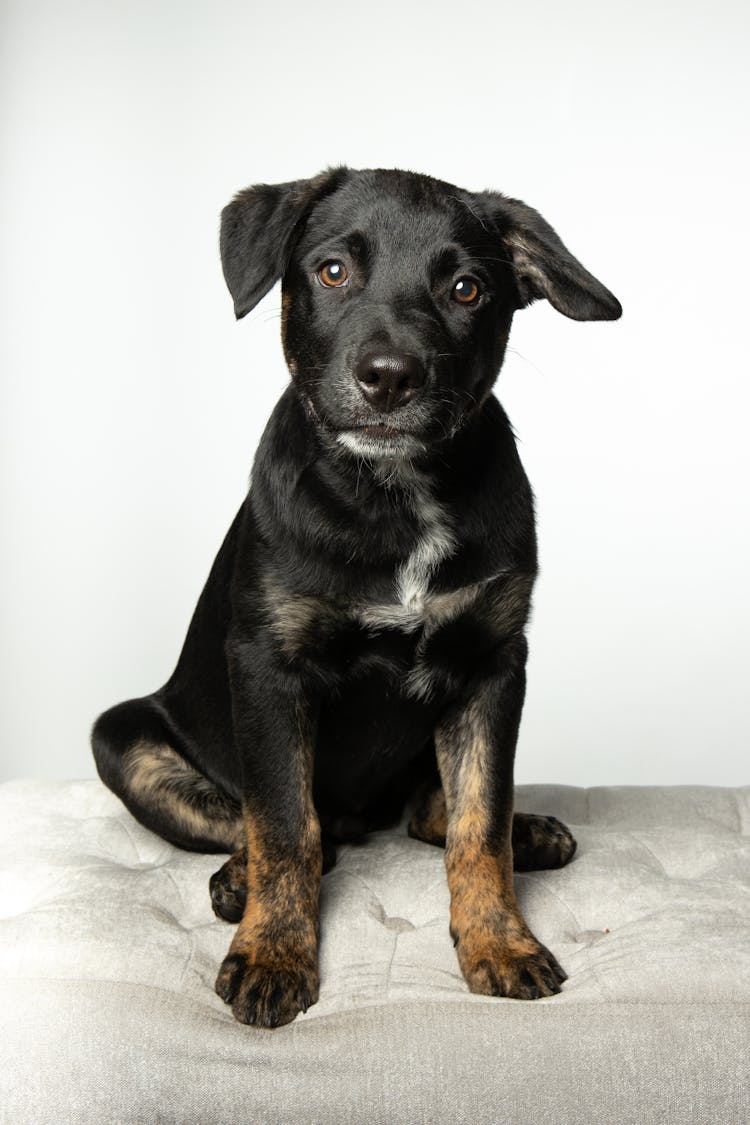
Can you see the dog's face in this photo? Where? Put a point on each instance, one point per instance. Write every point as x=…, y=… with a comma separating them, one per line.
x=398, y=311
x=398, y=296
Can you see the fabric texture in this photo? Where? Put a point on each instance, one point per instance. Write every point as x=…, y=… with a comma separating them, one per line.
x=109, y=950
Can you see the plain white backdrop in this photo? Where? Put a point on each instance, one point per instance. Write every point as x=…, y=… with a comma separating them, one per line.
x=132, y=402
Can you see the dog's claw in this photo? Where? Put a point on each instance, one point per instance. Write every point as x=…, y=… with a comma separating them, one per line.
x=266, y=995
x=499, y=971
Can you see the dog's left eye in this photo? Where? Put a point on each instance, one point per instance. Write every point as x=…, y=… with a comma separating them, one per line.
x=333, y=274
x=465, y=291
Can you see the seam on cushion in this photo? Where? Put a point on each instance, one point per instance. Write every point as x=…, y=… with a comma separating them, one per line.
x=461, y=997
x=604, y=991
x=390, y=966
x=435, y=885
x=342, y=873
x=176, y=886
x=651, y=852
x=188, y=957
x=704, y=815
x=545, y=885
x=192, y=1001
x=129, y=833
x=186, y=929
x=737, y=884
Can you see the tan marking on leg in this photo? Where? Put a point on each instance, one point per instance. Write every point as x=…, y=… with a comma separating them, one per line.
x=497, y=952
x=281, y=917
x=271, y=971
x=481, y=883
x=190, y=806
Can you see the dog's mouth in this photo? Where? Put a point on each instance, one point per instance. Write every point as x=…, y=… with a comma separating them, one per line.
x=378, y=439
x=377, y=430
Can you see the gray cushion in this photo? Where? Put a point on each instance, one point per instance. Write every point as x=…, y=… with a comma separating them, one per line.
x=109, y=950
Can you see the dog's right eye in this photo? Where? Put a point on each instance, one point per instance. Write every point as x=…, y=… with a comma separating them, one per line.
x=333, y=274
x=465, y=291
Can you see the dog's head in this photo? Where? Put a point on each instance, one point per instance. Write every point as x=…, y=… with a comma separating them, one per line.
x=398, y=293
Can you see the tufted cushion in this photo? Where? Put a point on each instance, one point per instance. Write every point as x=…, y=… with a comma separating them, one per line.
x=109, y=950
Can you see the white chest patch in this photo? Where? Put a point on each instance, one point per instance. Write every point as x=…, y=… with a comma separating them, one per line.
x=413, y=604
x=437, y=542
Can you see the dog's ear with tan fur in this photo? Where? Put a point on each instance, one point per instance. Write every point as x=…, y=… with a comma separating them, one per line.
x=543, y=266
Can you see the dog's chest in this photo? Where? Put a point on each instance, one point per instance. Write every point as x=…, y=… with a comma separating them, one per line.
x=384, y=623
x=389, y=642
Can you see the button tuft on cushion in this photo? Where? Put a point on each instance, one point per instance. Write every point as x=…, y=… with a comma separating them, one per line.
x=400, y=925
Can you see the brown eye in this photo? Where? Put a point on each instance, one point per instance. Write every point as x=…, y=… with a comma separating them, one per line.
x=333, y=274
x=465, y=291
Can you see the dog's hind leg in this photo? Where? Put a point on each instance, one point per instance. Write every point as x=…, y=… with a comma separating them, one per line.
x=136, y=757
x=538, y=842
x=228, y=887
x=430, y=817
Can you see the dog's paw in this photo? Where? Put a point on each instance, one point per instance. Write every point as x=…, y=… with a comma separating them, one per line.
x=540, y=842
x=266, y=995
x=228, y=888
x=501, y=970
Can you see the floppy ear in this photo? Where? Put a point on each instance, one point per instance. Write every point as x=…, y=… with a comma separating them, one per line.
x=258, y=230
x=544, y=267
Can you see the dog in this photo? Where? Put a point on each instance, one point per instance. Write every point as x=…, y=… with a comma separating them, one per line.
x=359, y=646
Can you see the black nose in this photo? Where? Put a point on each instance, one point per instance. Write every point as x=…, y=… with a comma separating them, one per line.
x=389, y=379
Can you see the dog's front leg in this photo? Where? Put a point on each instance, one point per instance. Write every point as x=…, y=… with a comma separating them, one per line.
x=475, y=743
x=271, y=971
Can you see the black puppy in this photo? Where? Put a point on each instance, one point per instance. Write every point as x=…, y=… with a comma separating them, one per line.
x=360, y=640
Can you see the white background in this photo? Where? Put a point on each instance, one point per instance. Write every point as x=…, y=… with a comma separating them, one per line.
x=132, y=402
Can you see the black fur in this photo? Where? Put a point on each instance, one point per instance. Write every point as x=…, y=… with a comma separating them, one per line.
x=388, y=433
